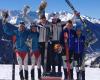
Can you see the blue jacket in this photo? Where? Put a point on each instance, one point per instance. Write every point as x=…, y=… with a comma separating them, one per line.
x=35, y=39
x=21, y=37
x=71, y=35
x=79, y=44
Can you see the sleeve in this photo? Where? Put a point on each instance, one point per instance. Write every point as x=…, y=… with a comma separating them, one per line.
x=28, y=32
x=8, y=30
x=86, y=43
x=49, y=31
x=27, y=18
x=62, y=38
x=37, y=34
x=74, y=33
x=73, y=18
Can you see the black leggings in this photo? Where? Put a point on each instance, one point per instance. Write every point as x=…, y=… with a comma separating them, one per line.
x=42, y=51
x=79, y=58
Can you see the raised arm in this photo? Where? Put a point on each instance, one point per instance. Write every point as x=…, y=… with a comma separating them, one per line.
x=42, y=6
x=9, y=29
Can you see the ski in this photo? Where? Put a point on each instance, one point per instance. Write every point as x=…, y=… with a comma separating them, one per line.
x=88, y=30
x=82, y=68
x=67, y=56
x=74, y=10
x=13, y=70
x=13, y=66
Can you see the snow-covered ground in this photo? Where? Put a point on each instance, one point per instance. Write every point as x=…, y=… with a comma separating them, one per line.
x=6, y=73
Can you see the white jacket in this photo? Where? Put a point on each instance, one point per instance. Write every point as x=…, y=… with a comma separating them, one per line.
x=44, y=31
x=56, y=31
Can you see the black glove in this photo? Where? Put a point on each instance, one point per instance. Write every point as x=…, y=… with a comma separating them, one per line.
x=5, y=15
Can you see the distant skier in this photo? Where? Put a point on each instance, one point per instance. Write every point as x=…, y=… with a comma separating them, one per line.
x=79, y=46
x=35, y=53
x=21, y=47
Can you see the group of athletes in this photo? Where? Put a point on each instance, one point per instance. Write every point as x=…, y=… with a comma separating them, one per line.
x=45, y=43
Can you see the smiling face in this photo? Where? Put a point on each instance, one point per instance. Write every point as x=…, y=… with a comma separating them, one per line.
x=69, y=25
x=21, y=27
x=54, y=20
x=33, y=29
x=43, y=20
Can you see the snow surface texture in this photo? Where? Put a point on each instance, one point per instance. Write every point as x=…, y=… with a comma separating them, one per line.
x=6, y=73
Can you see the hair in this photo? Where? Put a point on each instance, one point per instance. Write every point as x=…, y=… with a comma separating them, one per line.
x=22, y=23
x=42, y=17
x=69, y=21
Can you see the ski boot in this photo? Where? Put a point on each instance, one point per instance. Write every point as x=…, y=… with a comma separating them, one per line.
x=71, y=74
x=83, y=75
x=78, y=78
x=32, y=74
x=21, y=75
x=39, y=74
x=26, y=75
x=65, y=74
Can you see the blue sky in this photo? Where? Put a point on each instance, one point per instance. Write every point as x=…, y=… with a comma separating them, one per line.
x=87, y=7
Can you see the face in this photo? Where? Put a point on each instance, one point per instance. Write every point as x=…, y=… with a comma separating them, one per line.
x=54, y=20
x=33, y=29
x=78, y=32
x=69, y=25
x=43, y=20
x=22, y=27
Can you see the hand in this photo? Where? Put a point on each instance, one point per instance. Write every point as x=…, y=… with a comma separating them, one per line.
x=26, y=10
x=66, y=35
x=5, y=15
x=77, y=13
x=42, y=5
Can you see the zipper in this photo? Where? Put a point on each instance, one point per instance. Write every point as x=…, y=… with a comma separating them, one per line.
x=57, y=31
x=19, y=39
x=78, y=45
x=43, y=35
x=69, y=38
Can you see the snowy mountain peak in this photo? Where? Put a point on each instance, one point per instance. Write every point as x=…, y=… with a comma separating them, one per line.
x=63, y=15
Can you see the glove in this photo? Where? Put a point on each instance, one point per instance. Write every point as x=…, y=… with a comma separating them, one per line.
x=77, y=13
x=5, y=15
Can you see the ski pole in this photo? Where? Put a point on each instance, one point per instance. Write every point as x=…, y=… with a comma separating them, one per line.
x=74, y=10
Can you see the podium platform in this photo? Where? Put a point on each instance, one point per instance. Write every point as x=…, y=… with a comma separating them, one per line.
x=51, y=78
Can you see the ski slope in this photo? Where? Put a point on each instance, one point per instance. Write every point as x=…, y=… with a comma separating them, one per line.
x=6, y=73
